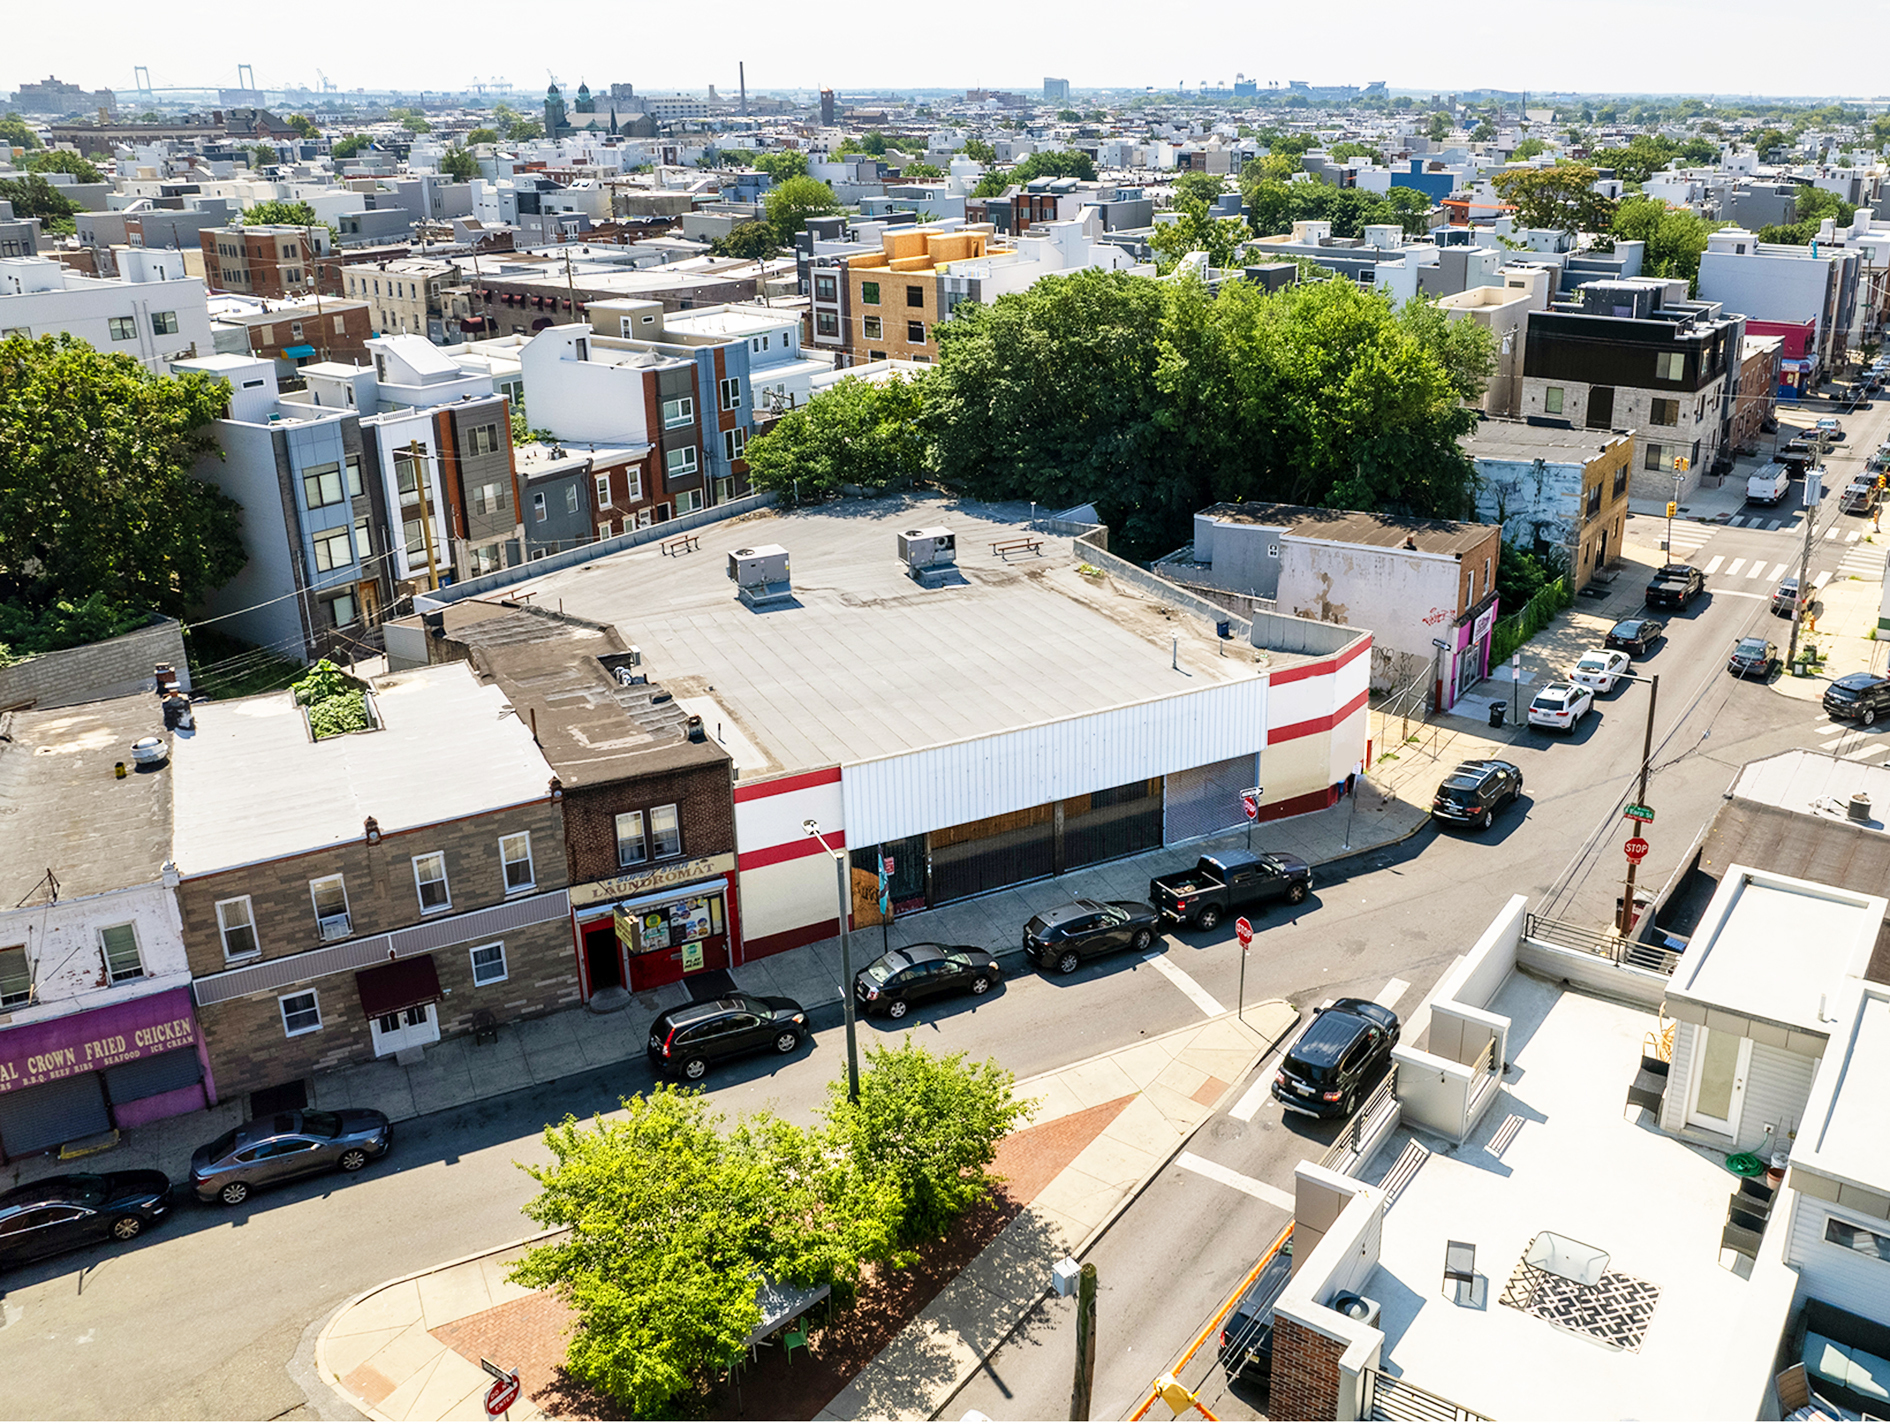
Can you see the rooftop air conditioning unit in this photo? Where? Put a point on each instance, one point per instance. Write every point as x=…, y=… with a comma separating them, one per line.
x=760, y=574
x=1361, y=1309
x=929, y=555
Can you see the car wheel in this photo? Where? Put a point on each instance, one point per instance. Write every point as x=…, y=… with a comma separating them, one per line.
x=1296, y=893
x=125, y=1228
x=788, y=1041
x=1870, y=716
x=353, y=1160
x=695, y=1068
x=1208, y=918
x=980, y=984
x=1068, y=962
x=1489, y=818
x=896, y=1009
x=233, y=1194
x=1351, y=1104
x=1143, y=938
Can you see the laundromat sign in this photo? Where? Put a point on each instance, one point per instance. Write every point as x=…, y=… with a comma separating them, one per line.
x=679, y=874
x=83, y=1043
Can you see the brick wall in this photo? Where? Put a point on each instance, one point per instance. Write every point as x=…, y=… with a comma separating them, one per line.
x=245, y=1039
x=111, y=668
x=705, y=804
x=1305, y=1384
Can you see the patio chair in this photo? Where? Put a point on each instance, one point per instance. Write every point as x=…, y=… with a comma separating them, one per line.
x=1649, y=1086
x=794, y=1336
x=1739, y=1238
x=1793, y=1387
x=1460, y=1265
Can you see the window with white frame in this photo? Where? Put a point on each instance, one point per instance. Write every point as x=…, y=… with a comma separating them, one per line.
x=429, y=879
x=688, y=501
x=16, y=977
x=731, y=392
x=237, y=923
x=604, y=530
x=634, y=479
x=330, y=896
x=603, y=492
x=681, y=461
x=301, y=1013
x=632, y=848
x=488, y=963
x=872, y=328
x=679, y=411
x=666, y=831
x=515, y=855
x=538, y=506
x=1669, y=366
x=734, y=442
x=1859, y=1239
x=119, y=945
x=571, y=498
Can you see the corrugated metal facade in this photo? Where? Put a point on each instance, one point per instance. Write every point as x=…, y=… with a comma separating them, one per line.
x=961, y=782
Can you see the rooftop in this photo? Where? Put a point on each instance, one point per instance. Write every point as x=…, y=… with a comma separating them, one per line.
x=1503, y=440
x=447, y=747
x=1358, y=526
x=94, y=832
x=1555, y=1153
x=1846, y=1130
x=862, y=662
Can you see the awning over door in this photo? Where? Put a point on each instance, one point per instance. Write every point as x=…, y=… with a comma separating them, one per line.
x=298, y=352
x=388, y=989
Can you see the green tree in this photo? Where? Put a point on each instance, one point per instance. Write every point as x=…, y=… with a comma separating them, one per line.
x=520, y=130
x=64, y=160
x=481, y=135
x=304, y=126
x=416, y=124
x=1194, y=231
x=25, y=631
x=749, y=241
x=1561, y=196
x=1056, y=163
x=978, y=151
x=1340, y=152
x=1527, y=149
x=790, y=204
x=351, y=145
x=1069, y=116
x=928, y=1127
x=1642, y=157
x=459, y=165
x=783, y=164
x=1768, y=141
x=15, y=134
x=915, y=172
x=295, y=214
x=1439, y=128
x=263, y=156
x=856, y=433
x=1202, y=188
x=1675, y=237
x=33, y=197
x=1483, y=132
x=99, y=498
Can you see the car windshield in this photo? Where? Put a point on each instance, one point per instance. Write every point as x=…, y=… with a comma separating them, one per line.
x=1628, y=628
x=1751, y=648
x=322, y=1125
x=1593, y=663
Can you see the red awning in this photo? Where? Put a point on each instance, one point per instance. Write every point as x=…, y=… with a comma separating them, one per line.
x=388, y=989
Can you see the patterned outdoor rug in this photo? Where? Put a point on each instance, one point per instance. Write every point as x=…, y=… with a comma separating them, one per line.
x=1615, y=1311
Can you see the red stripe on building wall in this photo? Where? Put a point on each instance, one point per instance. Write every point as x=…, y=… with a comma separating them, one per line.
x=789, y=851
x=1313, y=725
x=749, y=791
x=790, y=939
x=1322, y=667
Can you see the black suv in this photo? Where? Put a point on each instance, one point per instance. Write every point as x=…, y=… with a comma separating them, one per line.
x=1474, y=793
x=1063, y=938
x=1337, y=1058
x=1858, y=695
x=690, y=1037
x=1247, y=1334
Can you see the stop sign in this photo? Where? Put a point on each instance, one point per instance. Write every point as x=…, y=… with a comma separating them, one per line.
x=1245, y=931
x=1249, y=806
x=1636, y=848
x=501, y=1395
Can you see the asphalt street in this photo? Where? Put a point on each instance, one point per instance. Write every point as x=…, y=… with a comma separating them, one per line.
x=205, y=1316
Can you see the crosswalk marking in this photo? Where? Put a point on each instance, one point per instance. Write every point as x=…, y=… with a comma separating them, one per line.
x=1736, y=521
x=1240, y=1182
x=1853, y=536
x=1817, y=580
x=1778, y=571
x=1392, y=993
x=1757, y=571
x=1773, y=524
x=1184, y=982
x=1712, y=565
x=1831, y=533
x=1732, y=569
x=1827, y=746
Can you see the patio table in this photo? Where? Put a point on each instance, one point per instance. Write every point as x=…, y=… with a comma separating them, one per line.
x=1565, y=1257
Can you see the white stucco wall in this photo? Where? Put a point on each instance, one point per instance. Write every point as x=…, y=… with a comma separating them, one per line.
x=62, y=944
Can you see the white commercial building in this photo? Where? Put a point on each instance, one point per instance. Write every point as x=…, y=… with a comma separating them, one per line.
x=154, y=311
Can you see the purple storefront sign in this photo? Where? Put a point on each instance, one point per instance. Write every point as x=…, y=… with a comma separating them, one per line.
x=98, y=1039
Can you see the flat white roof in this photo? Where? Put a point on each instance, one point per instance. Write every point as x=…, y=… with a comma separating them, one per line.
x=1778, y=949
x=730, y=322
x=251, y=786
x=1846, y=1132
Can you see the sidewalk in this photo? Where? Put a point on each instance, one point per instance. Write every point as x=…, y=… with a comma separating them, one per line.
x=456, y=1072
x=409, y=1349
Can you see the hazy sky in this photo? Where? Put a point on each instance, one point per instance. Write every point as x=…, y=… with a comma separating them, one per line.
x=1726, y=47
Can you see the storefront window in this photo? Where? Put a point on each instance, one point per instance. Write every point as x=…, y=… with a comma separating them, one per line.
x=665, y=925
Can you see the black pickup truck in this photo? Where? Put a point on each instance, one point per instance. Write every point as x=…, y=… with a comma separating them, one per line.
x=1230, y=881
x=1675, y=584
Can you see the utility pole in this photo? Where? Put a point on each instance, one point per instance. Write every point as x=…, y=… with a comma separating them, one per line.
x=1814, y=488
x=845, y=905
x=1640, y=799
x=1085, y=1342
x=423, y=477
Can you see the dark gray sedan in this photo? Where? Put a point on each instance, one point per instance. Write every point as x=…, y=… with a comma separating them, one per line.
x=284, y=1146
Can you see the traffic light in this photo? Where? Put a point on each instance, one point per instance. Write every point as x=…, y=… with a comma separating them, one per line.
x=1681, y=463
x=1672, y=509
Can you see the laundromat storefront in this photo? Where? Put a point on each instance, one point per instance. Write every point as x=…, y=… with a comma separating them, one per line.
x=657, y=928
x=83, y=1074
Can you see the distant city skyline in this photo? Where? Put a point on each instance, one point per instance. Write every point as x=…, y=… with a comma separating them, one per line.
x=1692, y=46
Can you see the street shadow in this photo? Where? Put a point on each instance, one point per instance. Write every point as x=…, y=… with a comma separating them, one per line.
x=1508, y=822
x=932, y=1013
x=1542, y=737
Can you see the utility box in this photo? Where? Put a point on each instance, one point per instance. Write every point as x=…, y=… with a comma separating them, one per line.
x=760, y=574
x=1064, y=1275
x=930, y=555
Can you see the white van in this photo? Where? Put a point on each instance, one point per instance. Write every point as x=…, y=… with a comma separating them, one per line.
x=1768, y=487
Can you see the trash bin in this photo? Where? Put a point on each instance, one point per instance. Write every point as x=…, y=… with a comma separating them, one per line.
x=1498, y=711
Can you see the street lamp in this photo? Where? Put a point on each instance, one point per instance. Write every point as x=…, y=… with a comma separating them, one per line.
x=812, y=828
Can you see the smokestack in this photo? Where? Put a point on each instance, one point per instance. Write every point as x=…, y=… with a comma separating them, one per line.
x=741, y=73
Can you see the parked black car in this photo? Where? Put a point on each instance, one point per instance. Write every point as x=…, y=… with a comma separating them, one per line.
x=901, y=978
x=1858, y=695
x=1474, y=793
x=687, y=1039
x=284, y=1146
x=1675, y=585
x=1247, y=1334
x=1635, y=635
x=1337, y=1058
x=58, y=1213
x=1063, y=938
x=1229, y=881
x=1753, y=658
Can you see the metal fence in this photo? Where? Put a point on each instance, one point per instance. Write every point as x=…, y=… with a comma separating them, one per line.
x=1604, y=944
x=1349, y=1146
x=1513, y=632
x=1390, y=1398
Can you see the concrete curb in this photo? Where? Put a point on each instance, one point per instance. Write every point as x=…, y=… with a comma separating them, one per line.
x=1129, y=1198
x=333, y=1381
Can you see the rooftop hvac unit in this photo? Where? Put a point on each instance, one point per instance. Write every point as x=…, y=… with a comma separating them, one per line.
x=760, y=574
x=1361, y=1309
x=928, y=554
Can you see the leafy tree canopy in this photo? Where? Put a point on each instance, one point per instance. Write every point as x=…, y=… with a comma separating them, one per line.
x=1273, y=207
x=782, y=165
x=263, y=156
x=1561, y=196
x=25, y=631
x=64, y=160
x=33, y=197
x=791, y=204
x=1202, y=188
x=351, y=145
x=99, y=498
x=416, y=124
x=1194, y=231
x=521, y=129
x=748, y=241
x=1440, y=126
x=917, y=171
x=278, y=210
x=1340, y=152
x=459, y=165
x=1528, y=148
x=1675, y=237
x=481, y=135
x=304, y=126
x=856, y=433
x=1813, y=206
x=978, y=151
x=15, y=134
